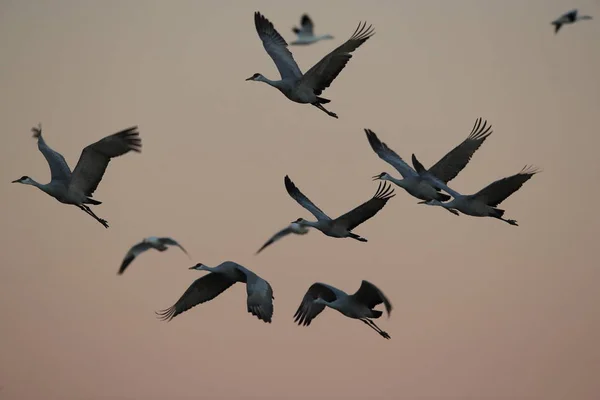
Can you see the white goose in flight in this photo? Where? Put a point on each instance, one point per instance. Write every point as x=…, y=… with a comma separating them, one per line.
x=358, y=305
x=305, y=88
x=152, y=242
x=305, y=32
x=260, y=294
x=568, y=18
x=446, y=169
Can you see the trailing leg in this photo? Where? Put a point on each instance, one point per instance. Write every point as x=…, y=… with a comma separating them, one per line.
x=91, y=213
x=320, y=107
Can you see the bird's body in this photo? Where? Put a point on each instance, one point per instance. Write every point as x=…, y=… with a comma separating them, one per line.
x=342, y=226
x=568, y=18
x=446, y=169
x=483, y=203
x=293, y=228
x=304, y=88
x=259, y=291
x=158, y=243
x=359, y=305
x=77, y=187
x=306, y=34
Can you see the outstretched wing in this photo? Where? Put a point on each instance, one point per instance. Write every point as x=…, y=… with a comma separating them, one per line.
x=276, y=47
x=260, y=296
x=173, y=242
x=297, y=195
x=95, y=158
x=449, y=166
x=370, y=295
x=135, y=251
x=496, y=192
x=308, y=310
x=320, y=76
x=388, y=155
x=279, y=235
x=368, y=209
x=202, y=290
x=59, y=169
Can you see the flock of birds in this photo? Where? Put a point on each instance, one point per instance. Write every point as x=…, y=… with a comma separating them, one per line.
x=77, y=187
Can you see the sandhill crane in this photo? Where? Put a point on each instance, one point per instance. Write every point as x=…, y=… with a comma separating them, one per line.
x=358, y=305
x=305, y=88
x=305, y=32
x=342, y=226
x=221, y=277
x=152, y=242
x=76, y=188
x=294, y=228
x=446, y=169
x=484, y=202
x=568, y=18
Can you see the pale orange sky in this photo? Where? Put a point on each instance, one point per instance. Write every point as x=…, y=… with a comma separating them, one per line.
x=482, y=310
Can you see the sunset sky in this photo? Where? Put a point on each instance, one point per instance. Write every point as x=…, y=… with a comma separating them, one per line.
x=482, y=310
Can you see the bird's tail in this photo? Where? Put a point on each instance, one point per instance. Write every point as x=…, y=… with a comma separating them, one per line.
x=92, y=201
x=376, y=313
x=321, y=100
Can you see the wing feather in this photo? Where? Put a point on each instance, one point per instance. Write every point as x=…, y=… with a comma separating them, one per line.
x=368, y=209
x=388, y=155
x=308, y=310
x=297, y=195
x=498, y=191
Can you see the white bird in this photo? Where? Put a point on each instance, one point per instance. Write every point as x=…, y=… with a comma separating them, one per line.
x=568, y=18
x=76, y=188
x=446, y=169
x=305, y=88
x=483, y=203
x=305, y=32
x=221, y=277
x=293, y=228
x=152, y=242
x=342, y=226
x=358, y=305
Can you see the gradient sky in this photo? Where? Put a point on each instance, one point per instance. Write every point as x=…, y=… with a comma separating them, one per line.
x=482, y=309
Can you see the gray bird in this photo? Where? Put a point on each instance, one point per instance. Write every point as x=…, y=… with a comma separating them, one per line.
x=358, y=305
x=220, y=278
x=152, y=242
x=305, y=88
x=77, y=188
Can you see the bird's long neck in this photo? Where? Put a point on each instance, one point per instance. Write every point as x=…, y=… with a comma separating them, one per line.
x=276, y=84
x=400, y=182
x=312, y=224
x=43, y=187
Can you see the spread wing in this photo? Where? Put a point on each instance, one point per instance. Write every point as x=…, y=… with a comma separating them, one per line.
x=279, y=235
x=132, y=254
x=368, y=209
x=449, y=166
x=370, y=295
x=320, y=76
x=297, y=195
x=276, y=47
x=95, y=158
x=496, y=192
x=260, y=297
x=388, y=155
x=202, y=290
x=306, y=27
x=173, y=242
x=59, y=169
x=308, y=310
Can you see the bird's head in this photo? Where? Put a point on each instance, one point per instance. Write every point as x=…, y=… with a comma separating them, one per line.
x=199, y=267
x=299, y=221
x=255, y=77
x=384, y=176
x=24, y=180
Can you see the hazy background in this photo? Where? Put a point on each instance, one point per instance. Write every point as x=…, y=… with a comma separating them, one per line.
x=483, y=310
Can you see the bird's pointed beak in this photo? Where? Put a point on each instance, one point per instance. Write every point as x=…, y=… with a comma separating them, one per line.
x=15, y=181
x=422, y=202
x=195, y=266
x=376, y=177
x=249, y=79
